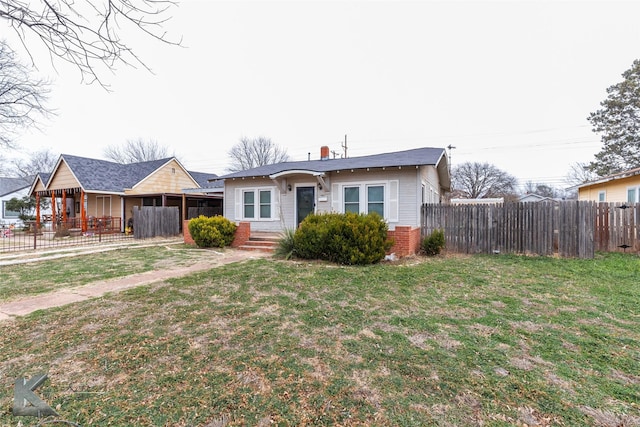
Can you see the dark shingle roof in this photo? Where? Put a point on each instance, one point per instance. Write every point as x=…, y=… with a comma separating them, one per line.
x=203, y=179
x=414, y=157
x=11, y=185
x=103, y=175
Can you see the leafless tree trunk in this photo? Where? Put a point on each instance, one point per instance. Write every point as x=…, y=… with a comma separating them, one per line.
x=87, y=33
x=22, y=98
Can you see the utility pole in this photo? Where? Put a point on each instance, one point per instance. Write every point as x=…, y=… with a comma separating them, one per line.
x=344, y=146
x=450, y=147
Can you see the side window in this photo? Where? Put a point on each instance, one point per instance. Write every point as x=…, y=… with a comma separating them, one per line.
x=352, y=199
x=632, y=195
x=375, y=199
x=602, y=196
x=249, y=204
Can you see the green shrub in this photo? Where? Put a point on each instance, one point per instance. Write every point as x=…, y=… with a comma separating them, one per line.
x=286, y=248
x=210, y=232
x=434, y=243
x=350, y=238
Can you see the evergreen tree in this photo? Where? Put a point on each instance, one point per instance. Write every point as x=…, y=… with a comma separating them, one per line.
x=618, y=123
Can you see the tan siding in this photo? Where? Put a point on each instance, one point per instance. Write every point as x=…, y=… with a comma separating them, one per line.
x=63, y=178
x=171, y=178
x=615, y=191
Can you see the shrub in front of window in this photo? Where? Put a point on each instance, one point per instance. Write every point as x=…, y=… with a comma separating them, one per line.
x=434, y=243
x=349, y=238
x=212, y=232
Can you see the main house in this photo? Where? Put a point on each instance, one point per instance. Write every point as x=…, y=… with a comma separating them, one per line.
x=622, y=187
x=395, y=185
x=84, y=190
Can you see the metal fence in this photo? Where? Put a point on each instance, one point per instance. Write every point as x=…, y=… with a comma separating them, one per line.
x=568, y=229
x=29, y=237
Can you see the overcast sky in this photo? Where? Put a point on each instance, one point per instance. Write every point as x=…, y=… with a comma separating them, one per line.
x=510, y=83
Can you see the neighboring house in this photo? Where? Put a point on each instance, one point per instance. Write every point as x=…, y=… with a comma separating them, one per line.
x=532, y=197
x=623, y=187
x=395, y=185
x=10, y=188
x=82, y=189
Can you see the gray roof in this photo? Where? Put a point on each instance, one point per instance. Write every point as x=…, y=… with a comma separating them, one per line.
x=11, y=185
x=414, y=157
x=107, y=176
x=204, y=179
x=103, y=175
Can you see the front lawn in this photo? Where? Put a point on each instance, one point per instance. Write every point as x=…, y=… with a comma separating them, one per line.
x=446, y=341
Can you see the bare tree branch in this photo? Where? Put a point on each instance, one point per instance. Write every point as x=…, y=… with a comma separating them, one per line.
x=135, y=151
x=22, y=98
x=87, y=33
x=251, y=153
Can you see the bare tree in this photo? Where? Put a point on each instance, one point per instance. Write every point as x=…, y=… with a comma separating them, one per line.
x=482, y=180
x=579, y=173
x=36, y=162
x=135, y=151
x=22, y=97
x=251, y=153
x=87, y=33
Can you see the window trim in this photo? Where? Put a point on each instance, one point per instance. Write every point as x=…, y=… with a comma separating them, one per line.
x=240, y=204
x=602, y=193
x=391, y=189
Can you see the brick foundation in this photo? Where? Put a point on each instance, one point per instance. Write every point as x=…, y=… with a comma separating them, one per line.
x=407, y=240
x=243, y=232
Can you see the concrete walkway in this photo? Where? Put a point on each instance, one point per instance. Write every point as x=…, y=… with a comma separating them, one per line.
x=26, y=305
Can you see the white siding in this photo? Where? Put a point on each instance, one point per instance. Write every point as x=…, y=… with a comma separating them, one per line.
x=403, y=194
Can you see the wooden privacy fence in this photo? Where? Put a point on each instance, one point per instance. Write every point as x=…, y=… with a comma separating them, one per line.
x=569, y=228
x=153, y=221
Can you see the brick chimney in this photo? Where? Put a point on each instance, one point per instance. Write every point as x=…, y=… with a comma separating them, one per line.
x=324, y=153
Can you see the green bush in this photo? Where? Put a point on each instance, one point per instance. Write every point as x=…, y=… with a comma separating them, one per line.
x=212, y=232
x=434, y=243
x=350, y=238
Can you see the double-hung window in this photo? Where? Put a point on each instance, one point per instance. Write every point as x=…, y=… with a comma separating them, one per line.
x=249, y=203
x=265, y=203
x=375, y=199
x=352, y=199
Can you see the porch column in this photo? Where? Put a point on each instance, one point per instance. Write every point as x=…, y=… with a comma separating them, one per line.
x=37, y=212
x=64, y=207
x=184, y=207
x=164, y=200
x=83, y=212
x=54, y=216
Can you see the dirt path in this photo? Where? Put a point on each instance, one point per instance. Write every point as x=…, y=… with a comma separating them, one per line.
x=26, y=305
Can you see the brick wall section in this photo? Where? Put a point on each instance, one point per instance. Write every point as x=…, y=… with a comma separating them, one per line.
x=407, y=240
x=188, y=240
x=243, y=232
